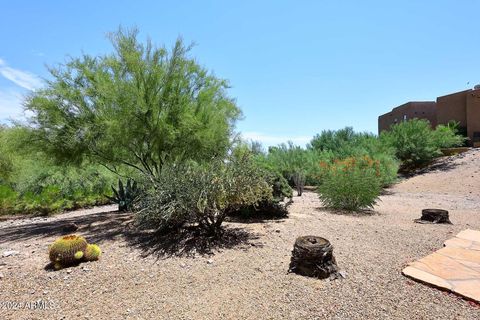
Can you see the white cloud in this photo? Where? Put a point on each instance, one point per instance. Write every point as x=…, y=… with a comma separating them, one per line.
x=11, y=98
x=271, y=140
x=21, y=78
x=10, y=105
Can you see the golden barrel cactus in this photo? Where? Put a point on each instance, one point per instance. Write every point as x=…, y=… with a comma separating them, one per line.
x=67, y=250
x=92, y=252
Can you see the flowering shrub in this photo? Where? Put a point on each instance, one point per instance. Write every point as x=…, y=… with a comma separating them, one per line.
x=351, y=184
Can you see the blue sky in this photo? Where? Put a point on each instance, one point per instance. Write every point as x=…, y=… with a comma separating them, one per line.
x=296, y=67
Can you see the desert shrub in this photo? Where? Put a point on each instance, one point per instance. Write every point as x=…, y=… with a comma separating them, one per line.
x=447, y=136
x=351, y=184
x=416, y=143
x=7, y=199
x=290, y=160
x=331, y=140
x=270, y=206
x=201, y=194
x=30, y=182
x=387, y=168
x=301, y=166
x=36, y=184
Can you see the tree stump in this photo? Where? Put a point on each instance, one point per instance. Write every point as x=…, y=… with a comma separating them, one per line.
x=434, y=216
x=313, y=257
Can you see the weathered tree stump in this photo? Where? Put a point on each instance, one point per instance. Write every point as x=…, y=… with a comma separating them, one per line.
x=434, y=216
x=313, y=257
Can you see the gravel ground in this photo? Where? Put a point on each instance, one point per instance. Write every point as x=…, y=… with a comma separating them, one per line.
x=248, y=279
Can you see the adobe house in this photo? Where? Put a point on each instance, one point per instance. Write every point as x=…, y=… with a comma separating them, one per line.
x=463, y=107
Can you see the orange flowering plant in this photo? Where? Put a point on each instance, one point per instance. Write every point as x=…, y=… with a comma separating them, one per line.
x=352, y=184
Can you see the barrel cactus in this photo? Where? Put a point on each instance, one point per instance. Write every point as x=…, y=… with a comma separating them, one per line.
x=92, y=252
x=67, y=250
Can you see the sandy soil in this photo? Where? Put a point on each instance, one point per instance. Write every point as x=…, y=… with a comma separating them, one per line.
x=246, y=277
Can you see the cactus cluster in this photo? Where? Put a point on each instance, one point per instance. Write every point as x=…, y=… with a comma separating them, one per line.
x=71, y=250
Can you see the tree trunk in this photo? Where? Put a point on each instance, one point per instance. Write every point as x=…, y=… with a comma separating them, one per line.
x=434, y=216
x=313, y=257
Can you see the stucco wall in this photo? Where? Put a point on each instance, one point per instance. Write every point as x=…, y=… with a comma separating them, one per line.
x=409, y=110
x=452, y=107
x=473, y=115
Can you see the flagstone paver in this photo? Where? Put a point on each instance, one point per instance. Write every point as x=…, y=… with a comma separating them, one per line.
x=456, y=267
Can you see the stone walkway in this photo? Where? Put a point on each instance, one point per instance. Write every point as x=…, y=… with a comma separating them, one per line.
x=456, y=267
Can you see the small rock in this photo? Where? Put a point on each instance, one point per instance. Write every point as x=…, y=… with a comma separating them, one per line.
x=343, y=274
x=1, y=276
x=45, y=291
x=86, y=269
x=183, y=265
x=27, y=245
x=210, y=261
x=32, y=292
x=10, y=253
x=69, y=271
x=277, y=230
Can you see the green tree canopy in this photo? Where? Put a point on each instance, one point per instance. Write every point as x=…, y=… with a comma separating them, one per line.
x=139, y=106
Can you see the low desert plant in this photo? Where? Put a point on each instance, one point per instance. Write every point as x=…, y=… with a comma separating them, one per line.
x=273, y=206
x=351, y=184
x=71, y=250
x=202, y=194
x=67, y=251
x=125, y=196
x=92, y=252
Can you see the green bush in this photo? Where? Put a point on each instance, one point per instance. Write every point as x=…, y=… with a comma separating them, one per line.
x=416, y=143
x=271, y=206
x=290, y=161
x=31, y=183
x=299, y=165
x=202, y=194
x=352, y=184
x=447, y=136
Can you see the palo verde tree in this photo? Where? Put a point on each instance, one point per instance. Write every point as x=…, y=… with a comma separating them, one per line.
x=139, y=106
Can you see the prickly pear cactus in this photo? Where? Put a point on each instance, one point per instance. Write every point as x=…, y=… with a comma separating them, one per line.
x=92, y=252
x=67, y=250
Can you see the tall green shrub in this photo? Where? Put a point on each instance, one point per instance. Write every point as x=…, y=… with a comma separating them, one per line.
x=416, y=143
x=352, y=184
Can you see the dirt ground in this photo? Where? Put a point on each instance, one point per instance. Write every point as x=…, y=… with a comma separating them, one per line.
x=246, y=276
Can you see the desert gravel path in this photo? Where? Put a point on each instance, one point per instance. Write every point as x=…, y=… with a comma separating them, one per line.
x=247, y=278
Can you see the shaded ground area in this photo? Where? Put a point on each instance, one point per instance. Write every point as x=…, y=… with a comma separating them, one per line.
x=246, y=276
x=102, y=226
